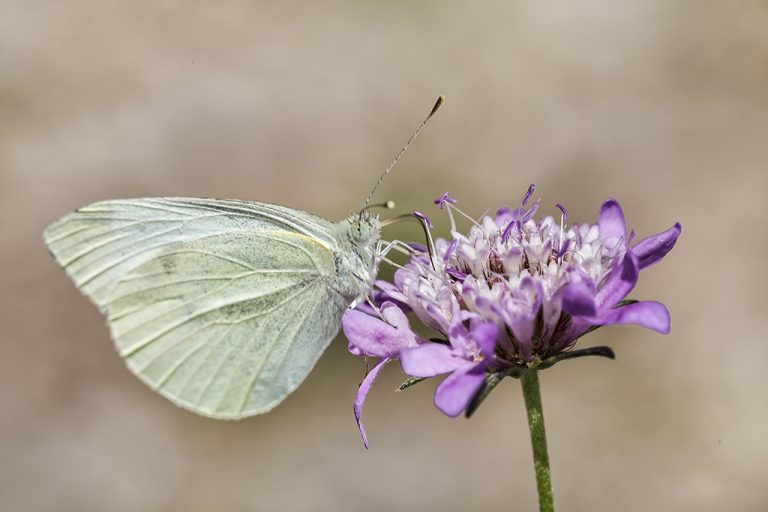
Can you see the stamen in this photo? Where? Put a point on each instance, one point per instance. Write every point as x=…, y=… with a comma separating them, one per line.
x=528, y=194
x=449, y=250
x=562, y=209
x=531, y=211
x=470, y=219
x=440, y=201
x=423, y=217
x=562, y=226
x=450, y=217
x=508, y=230
x=426, y=224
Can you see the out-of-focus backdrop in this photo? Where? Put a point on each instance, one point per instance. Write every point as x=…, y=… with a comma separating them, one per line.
x=663, y=105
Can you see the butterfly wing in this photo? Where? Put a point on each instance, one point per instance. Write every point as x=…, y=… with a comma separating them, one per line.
x=221, y=306
x=100, y=243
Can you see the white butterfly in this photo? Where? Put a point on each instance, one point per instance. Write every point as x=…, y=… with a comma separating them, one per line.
x=222, y=306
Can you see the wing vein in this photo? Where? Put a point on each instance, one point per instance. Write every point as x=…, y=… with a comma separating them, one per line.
x=264, y=362
x=198, y=314
x=205, y=360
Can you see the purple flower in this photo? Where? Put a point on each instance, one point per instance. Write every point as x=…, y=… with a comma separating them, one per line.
x=512, y=292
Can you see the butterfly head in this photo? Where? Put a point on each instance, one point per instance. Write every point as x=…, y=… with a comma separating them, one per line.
x=364, y=228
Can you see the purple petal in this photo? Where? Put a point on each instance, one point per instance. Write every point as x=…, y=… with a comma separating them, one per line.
x=370, y=336
x=484, y=335
x=620, y=282
x=459, y=276
x=453, y=394
x=611, y=223
x=503, y=216
x=523, y=323
x=649, y=314
x=578, y=298
x=654, y=248
x=429, y=359
x=394, y=316
x=389, y=292
x=458, y=336
x=366, y=308
x=362, y=393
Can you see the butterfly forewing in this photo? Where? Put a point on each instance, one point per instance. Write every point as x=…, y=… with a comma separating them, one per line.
x=98, y=244
x=222, y=306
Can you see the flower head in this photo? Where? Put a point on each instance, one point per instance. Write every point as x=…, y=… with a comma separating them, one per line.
x=515, y=291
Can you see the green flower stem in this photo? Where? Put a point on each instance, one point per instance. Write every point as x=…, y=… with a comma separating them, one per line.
x=532, y=396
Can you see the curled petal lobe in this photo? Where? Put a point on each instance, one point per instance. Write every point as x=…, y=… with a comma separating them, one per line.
x=652, y=249
x=429, y=359
x=381, y=293
x=370, y=336
x=503, y=217
x=395, y=317
x=579, y=298
x=362, y=393
x=453, y=394
x=484, y=335
x=619, y=283
x=611, y=224
x=387, y=292
x=649, y=314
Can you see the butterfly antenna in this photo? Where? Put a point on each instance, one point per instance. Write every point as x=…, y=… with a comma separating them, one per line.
x=438, y=103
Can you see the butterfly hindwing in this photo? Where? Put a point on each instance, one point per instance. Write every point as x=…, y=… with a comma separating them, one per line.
x=227, y=326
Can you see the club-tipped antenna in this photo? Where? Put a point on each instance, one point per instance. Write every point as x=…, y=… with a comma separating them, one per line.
x=438, y=103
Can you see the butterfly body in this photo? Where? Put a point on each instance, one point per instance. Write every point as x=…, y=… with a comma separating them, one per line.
x=222, y=306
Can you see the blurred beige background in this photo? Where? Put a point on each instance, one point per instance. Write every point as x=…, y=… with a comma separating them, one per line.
x=661, y=104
